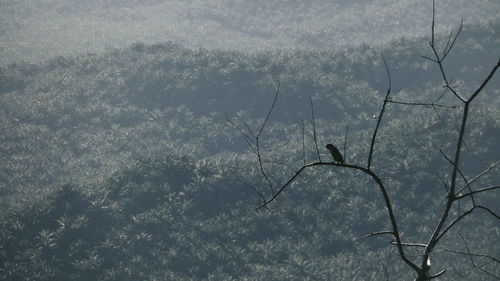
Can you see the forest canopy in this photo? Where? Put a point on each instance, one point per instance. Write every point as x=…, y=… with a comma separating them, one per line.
x=122, y=166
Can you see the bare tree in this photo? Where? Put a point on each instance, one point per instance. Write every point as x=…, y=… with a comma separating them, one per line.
x=456, y=193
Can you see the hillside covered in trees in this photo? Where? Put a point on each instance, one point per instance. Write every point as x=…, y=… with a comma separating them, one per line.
x=122, y=165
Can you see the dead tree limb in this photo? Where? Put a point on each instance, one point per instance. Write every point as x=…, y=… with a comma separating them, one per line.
x=421, y=269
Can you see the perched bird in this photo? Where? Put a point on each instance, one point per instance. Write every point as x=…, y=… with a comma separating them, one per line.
x=335, y=153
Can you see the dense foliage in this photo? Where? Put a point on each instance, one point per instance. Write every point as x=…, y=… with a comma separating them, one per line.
x=170, y=218
x=77, y=204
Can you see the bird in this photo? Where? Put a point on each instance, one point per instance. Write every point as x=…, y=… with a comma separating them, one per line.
x=335, y=153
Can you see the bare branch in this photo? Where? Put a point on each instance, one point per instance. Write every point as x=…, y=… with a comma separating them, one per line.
x=459, y=218
x=477, y=191
x=487, y=170
x=261, y=167
x=462, y=176
x=487, y=272
x=345, y=141
x=286, y=165
x=425, y=57
x=420, y=245
x=422, y=104
x=250, y=130
x=468, y=250
x=389, y=86
x=489, y=211
x=480, y=267
x=492, y=72
x=384, y=268
x=447, y=50
x=472, y=259
x=437, y=113
x=244, y=182
x=433, y=22
x=378, y=233
x=386, y=99
x=283, y=187
x=382, y=188
x=471, y=255
x=254, y=189
x=446, y=157
x=441, y=178
x=448, y=42
x=254, y=143
x=314, y=129
x=438, y=59
x=303, y=144
x=468, y=254
x=437, y=274
x=440, y=96
x=247, y=138
x=446, y=222
x=270, y=111
x=257, y=139
x=435, y=235
x=473, y=154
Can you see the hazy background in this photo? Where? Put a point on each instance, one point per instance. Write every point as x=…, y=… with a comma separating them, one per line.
x=40, y=29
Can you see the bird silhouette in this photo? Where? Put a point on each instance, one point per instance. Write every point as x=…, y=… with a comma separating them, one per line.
x=335, y=153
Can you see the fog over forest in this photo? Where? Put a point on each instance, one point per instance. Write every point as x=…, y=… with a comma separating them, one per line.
x=40, y=29
x=132, y=144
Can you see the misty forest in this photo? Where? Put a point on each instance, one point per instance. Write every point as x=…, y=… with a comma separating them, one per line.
x=249, y=140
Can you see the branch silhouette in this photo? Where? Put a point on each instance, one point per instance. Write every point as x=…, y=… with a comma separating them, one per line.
x=419, y=264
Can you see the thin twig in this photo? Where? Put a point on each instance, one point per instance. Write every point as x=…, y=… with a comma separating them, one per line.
x=477, y=191
x=426, y=57
x=257, y=139
x=443, y=181
x=459, y=218
x=254, y=141
x=437, y=274
x=446, y=49
x=468, y=250
x=286, y=165
x=462, y=176
x=440, y=96
x=250, y=142
x=422, y=104
x=261, y=167
x=303, y=144
x=386, y=99
x=384, y=268
x=492, y=72
x=378, y=233
x=250, y=130
x=447, y=42
x=487, y=170
x=418, y=245
x=345, y=141
x=439, y=60
x=468, y=254
x=270, y=110
x=314, y=129
x=472, y=259
x=466, y=146
x=244, y=182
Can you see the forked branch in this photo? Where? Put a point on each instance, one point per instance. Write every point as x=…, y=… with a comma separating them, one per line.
x=445, y=223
